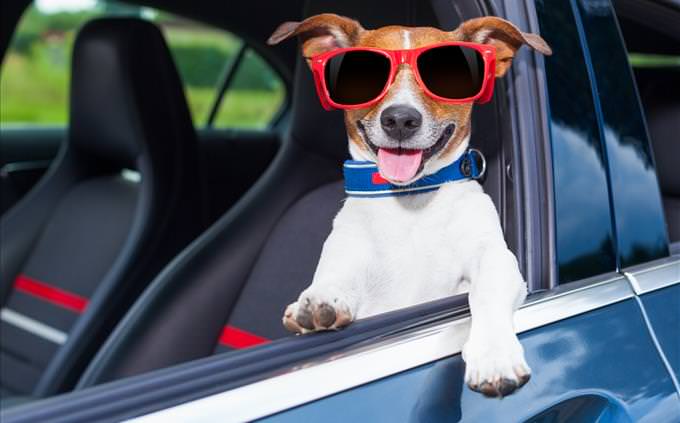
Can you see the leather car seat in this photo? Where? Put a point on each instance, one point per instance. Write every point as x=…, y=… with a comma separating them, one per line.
x=118, y=203
x=228, y=290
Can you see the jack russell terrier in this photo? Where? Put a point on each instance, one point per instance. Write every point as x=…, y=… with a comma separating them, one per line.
x=416, y=225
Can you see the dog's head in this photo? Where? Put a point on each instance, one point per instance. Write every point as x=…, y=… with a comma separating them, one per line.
x=408, y=133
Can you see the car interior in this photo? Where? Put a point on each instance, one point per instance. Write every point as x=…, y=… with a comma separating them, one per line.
x=652, y=38
x=93, y=232
x=169, y=243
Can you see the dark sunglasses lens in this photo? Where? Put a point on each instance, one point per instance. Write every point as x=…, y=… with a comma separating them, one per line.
x=452, y=72
x=356, y=77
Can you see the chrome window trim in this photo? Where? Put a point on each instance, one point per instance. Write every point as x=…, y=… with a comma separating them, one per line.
x=311, y=381
x=654, y=275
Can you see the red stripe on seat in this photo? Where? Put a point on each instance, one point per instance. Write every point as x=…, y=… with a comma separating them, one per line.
x=238, y=338
x=54, y=295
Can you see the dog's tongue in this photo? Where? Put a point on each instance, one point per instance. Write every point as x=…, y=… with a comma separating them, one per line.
x=398, y=164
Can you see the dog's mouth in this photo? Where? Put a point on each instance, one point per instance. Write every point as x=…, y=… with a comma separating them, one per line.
x=401, y=165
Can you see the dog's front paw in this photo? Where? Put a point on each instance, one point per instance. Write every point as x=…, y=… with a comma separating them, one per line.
x=495, y=368
x=311, y=313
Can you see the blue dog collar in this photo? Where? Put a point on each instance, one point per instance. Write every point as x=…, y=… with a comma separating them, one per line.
x=362, y=179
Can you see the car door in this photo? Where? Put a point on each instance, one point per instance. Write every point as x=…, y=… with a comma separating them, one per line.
x=652, y=36
x=237, y=98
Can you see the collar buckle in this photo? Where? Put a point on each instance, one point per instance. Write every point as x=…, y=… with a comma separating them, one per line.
x=481, y=162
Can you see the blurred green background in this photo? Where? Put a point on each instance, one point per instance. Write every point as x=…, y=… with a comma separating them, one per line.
x=35, y=72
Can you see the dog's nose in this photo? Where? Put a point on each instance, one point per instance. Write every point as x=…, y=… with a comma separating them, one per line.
x=400, y=121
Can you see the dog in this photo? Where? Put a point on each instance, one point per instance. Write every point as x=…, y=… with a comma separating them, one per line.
x=395, y=251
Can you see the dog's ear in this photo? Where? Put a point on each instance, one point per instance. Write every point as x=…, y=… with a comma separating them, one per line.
x=503, y=35
x=319, y=33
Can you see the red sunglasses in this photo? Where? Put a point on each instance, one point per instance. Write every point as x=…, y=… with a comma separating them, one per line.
x=449, y=72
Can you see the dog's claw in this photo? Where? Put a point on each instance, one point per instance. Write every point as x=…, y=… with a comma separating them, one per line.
x=310, y=316
x=524, y=379
x=501, y=388
x=506, y=387
x=488, y=389
x=495, y=371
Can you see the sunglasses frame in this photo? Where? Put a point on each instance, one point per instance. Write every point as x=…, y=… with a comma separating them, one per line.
x=409, y=57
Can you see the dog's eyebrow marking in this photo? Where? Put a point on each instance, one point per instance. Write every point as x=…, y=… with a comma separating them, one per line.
x=406, y=35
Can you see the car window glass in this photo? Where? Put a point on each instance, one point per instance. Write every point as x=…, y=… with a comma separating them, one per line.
x=653, y=44
x=254, y=97
x=636, y=201
x=35, y=73
x=201, y=54
x=583, y=222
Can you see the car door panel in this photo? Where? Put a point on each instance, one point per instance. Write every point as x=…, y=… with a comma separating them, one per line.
x=20, y=144
x=25, y=155
x=232, y=160
x=663, y=309
x=584, y=340
x=658, y=285
x=636, y=202
x=581, y=368
x=636, y=176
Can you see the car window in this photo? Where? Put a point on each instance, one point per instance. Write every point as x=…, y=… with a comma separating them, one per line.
x=634, y=190
x=653, y=43
x=583, y=224
x=35, y=73
x=201, y=54
x=254, y=97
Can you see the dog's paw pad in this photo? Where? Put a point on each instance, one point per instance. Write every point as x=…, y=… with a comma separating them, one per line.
x=326, y=316
x=305, y=318
x=310, y=316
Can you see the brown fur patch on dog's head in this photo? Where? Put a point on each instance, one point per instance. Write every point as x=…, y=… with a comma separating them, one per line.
x=445, y=127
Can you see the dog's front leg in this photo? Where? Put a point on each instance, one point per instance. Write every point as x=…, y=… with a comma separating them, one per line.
x=494, y=358
x=331, y=301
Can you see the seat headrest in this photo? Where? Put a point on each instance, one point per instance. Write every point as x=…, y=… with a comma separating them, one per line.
x=125, y=92
x=313, y=127
x=324, y=132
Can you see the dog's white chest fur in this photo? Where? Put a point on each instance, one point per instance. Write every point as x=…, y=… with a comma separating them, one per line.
x=414, y=245
x=389, y=253
x=395, y=252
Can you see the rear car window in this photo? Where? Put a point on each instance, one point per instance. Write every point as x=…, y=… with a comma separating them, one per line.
x=254, y=97
x=653, y=43
x=34, y=77
x=583, y=223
